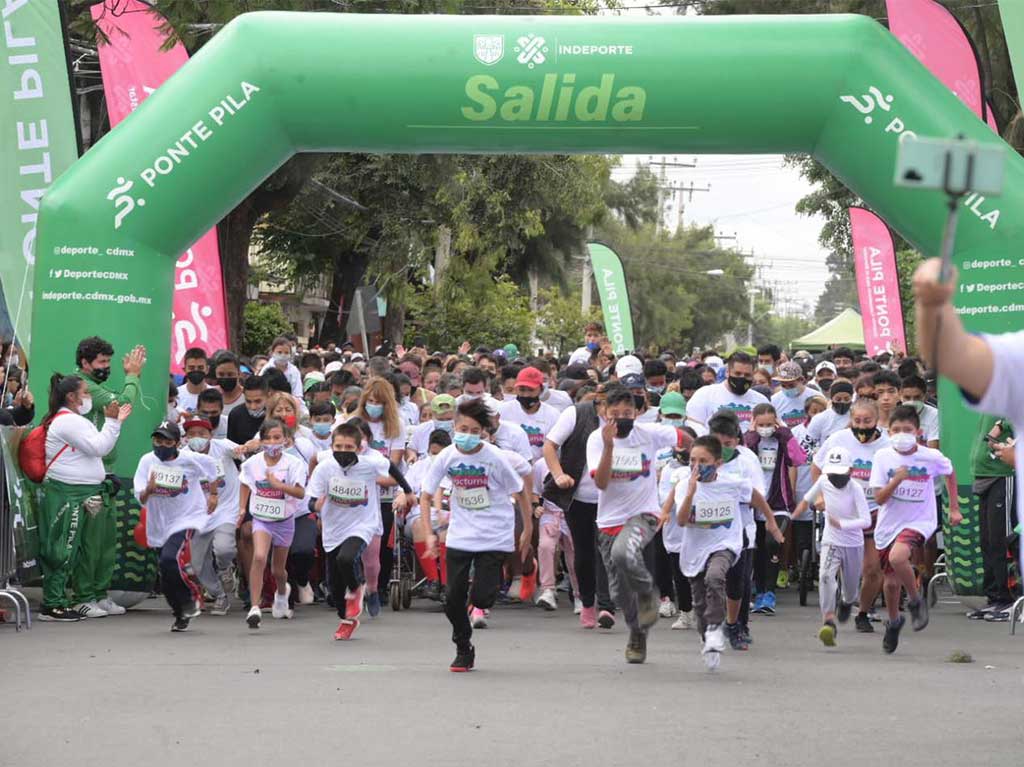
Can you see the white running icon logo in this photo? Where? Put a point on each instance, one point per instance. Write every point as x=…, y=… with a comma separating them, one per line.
x=531, y=50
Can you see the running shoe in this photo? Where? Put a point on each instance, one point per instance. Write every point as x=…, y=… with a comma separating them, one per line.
x=229, y=581
x=588, y=617
x=684, y=622
x=714, y=638
x=346, y=629
x=647, y=609
x=758, y=604
x=59, y=614
x=918, y=612
x=547, y=600
x=465, y=657
x=981, y=612
x=769, y=603
x=606, y=619
x=180, y=624
x=863, y=624
x=306, y=596
x=667, y=608
x=221, y=605
x=192, y=610
x=636, y=647
x=577, y=607
x=843, y=611
x=783, y=580
x=891, y=640
x=281, y=610
x=478, y=618
x=373, y=604
x=745, y=634
x=827, y=634
x=90, y=610
x=111, y=607
x=998, y=616
x=528, y=584
x=735, y=635
x=254, y=618
x=354, y=603
x=712, y=658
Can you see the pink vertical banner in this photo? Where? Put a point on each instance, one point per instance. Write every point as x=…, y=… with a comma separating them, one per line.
x=133, y=66
x=936, y=38
x=878, y=284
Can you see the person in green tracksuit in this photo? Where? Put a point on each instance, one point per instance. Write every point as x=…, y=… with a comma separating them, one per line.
x=94, y=570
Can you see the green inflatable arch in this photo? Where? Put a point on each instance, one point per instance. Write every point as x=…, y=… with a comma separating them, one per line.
x=272, y=84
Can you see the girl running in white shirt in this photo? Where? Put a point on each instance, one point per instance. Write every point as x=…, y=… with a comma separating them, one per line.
x=433, y=568
x=554, y=533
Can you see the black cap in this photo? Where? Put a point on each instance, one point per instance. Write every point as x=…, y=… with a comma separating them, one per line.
x=347, y=345
x=576, y=372
x=167, y=430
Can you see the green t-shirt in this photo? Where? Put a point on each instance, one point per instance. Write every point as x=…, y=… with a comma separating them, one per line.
x=984, y=464
x=102, y=396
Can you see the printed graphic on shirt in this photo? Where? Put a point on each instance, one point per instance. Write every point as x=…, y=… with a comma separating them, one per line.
x=380, y=446
x=269, y=502
x=794, y=416
x=629, y=464
x=469, y=483
x=534, y=435
x=860, y=470
x=741, y=410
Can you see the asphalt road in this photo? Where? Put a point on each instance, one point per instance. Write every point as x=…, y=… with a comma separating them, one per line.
x=125, y=691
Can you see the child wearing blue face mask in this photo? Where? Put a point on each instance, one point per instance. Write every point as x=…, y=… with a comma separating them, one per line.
x=321, y=424
x=707, y=508
x=481, y=530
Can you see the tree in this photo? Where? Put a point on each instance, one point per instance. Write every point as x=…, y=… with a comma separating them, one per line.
x=561, y=320
x=263, y=323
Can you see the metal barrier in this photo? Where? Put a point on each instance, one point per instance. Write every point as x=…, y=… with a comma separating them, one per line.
x=8, y=558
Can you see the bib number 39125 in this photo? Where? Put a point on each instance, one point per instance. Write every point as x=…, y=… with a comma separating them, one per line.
x=713, y=513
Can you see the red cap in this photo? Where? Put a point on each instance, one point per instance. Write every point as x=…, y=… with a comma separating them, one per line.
x=530, y=377
x=200, y=422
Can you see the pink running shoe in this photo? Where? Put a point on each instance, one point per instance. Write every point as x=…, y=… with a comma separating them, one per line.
x=478, y=619
x=354, y=603
x=588, y=617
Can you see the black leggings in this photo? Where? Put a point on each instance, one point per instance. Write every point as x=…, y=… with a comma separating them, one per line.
x=663, y=569
x=302, y=553
x=387, y=554
x=803, y=537
x=684, y=598
x=590, y=572
x=766, y=556
x=486, y=569
x=738, y=582
x=346, y=568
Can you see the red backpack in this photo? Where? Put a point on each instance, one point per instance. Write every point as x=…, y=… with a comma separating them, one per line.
x=32, y=452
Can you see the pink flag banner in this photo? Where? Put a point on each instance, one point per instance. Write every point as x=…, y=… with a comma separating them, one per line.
x=990, y=118
x=133, y=66
x=936, y=38
x=878, y=284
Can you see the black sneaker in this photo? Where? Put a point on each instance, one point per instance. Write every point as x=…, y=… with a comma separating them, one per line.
x=863, y=624
x=636, y=647
x=606, y=619
x=918, y=612
x=981, y=613
x=61, y=614
x=465, y=657
x=180, y=624
x=998, y=616
x=891, y=640
x=735, y=635
x=745, y=634
x=843, y=611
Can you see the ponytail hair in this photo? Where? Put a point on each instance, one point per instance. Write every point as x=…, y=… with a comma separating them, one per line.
x=60, y=387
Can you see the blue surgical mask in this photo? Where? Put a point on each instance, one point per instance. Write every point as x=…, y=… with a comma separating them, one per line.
x=705, y=472
x=792, y=393
x=322, y=429
x=281, y=359
x=656, y=389
x=374, y=411
x=466, y=443
x=592, y=346
x=198, y=444
x=447, y=426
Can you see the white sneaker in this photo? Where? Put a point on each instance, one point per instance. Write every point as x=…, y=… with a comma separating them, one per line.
x=478, y=619
x=221, y=605
x=714, y=638
x=229, y=581
x=90, y=610
x=711, y=657
x=281, y=609
x=548, y=600
x=577, y=607
x=255, y=617
x=306, y=594
x=667, y=608
x=194, y=611
x=685, y=621
x=111, y=607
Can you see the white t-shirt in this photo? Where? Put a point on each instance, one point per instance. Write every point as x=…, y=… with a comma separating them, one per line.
x=179, y=502
x=1005, y=396
x=708, y=400
x=803, y=472
x=912, y=505
x=556, y=398
x=510, y=436
x=535, y=425
x=863, y=459
x=410, y=412
x=791, y=410
x=221, y=452
x=633, y=486
x=81, y=463
x=384, y=445
x=483, y=514
x=581, y=356
x=825, y=424
x=187, y=401
x=715, y=521
x=419, y=441
x=746, y=466
x=849, y=507
x=929, y=424
x=671, y=532
x=265, y=502
x=585, y=490
x=352, y=508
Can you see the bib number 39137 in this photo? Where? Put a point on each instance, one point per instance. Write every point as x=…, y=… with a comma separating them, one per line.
x=170, y=478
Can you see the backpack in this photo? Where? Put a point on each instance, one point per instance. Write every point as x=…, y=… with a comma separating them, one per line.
x=32, y=452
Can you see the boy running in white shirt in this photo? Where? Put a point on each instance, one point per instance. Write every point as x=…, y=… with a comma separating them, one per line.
x=902, y=478
x=842, y=541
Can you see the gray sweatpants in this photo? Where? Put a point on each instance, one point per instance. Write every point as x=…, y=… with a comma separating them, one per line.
x=849, y=560
x=708, y=590
x=623, y=556
x=219, y=543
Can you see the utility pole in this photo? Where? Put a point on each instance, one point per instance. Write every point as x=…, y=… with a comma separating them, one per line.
x=587, y=272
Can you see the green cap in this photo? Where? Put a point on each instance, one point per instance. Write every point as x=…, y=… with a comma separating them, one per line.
x=511, y=350
x=312, y=379
x=673, y=404
x=442, y=403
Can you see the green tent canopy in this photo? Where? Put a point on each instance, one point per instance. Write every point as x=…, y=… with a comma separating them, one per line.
x=846, y=329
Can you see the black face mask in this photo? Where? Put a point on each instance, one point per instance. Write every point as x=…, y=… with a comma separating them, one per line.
x=100, y=374
x=623, y=427
x=165, y=453
x=825, y=385
x=639, y=401
x=345, y=458
x=739, y=386
x=196, y=377
x=839, y=480
x=842, y=408
x=213, y=419
x=655, y=399
x=864, y=435
x=227, y=384
x=527, y=402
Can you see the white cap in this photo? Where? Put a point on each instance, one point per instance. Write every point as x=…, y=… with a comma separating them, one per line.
x=332, y=367
x=628, y=365
x=838, y=461
x=826, y=365
x=715, y=363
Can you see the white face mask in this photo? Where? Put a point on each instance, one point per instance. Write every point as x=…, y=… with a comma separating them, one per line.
x=766, y=432
x=86, y=407
x=903, y=442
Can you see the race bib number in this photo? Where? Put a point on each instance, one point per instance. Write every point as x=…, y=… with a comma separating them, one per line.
x=389, y=493
x=171, y=478
x=627, y=460
x=348, y=492
x=473, y=498
x=270, y=509
x=713, y=513
x=768, y=458
x=912, y=492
